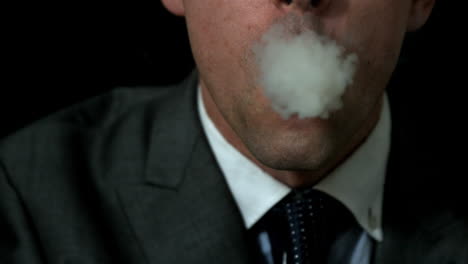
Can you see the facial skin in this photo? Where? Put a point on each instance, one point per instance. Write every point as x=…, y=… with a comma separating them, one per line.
x=296, y=152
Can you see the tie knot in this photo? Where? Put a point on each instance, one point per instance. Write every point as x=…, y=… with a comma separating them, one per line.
x=304, y=203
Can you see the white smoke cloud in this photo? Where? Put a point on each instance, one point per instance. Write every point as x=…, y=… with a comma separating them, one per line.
x=302, y=72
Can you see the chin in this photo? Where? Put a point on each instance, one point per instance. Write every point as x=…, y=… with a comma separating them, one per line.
x=294, y=154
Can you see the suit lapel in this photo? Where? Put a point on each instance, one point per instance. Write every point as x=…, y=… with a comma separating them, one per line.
x=421, y=222
x=183, y=212
x=394, y=227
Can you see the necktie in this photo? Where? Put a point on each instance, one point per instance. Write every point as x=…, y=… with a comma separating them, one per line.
x=303, y=228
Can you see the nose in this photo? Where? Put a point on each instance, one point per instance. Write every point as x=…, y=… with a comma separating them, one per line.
x=315, y=3
x=308, y=4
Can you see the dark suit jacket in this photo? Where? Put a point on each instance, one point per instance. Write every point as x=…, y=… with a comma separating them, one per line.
x=128, y=177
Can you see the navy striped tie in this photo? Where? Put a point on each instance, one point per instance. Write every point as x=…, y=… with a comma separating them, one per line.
x=302, y=228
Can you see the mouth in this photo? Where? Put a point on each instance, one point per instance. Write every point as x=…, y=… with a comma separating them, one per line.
x=304, y=74
x=294, y=122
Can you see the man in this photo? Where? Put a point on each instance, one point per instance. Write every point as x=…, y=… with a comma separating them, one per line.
x=193, y=173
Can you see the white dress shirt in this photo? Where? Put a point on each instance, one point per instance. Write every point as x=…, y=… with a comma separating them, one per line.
x=357, y=182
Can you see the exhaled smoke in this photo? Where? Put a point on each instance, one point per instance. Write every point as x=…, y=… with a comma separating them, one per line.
x=301, y=71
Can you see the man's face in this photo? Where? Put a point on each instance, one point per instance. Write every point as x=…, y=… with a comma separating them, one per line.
x=222, y=34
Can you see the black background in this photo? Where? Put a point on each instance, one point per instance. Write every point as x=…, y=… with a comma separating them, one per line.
x=57, y=54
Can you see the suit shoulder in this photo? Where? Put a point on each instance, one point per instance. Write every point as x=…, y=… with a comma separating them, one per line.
x=83, y=133
x=94, y=112
x=100, y=110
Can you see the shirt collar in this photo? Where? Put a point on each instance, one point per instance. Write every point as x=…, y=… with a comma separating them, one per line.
x=357, y=182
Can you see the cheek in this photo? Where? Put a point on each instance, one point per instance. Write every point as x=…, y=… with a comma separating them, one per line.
x=378, y=60
x=374, y=29
x=221, y=42
x=376, y=38
x=221, y=33
x=378, y=46
x=380, y=43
